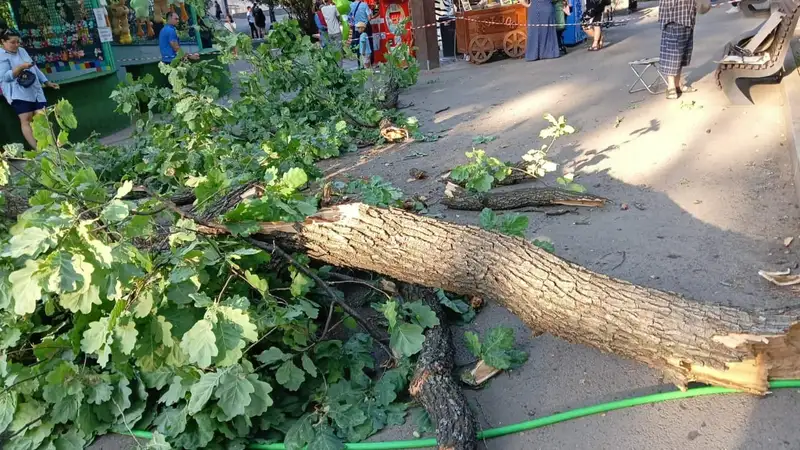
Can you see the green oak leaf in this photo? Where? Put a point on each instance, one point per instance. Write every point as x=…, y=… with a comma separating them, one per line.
x=308, y=365
x=97, y=340
x=324, y=439
x=300, y=433
x=272, y=355
x=25, y=288
x=8, y=404
x=290, y=376
x=423, y=315
x=82, y=300
x=176, y=392
x=473, y=343
x=200, y=344
x=126, y=337
x=115, y=211
x=171, y=422
x=389, y=310
x=242, y=319
x=143, y=304
x=201, y=391
x=301, y=284
x=99, y=393
x=233, y=394
x=260, y=401
x=30, y=242
x=407, y=339
x=158, y=442
x=72, y=439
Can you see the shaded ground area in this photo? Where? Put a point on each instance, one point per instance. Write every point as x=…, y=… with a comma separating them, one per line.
x=710, y=200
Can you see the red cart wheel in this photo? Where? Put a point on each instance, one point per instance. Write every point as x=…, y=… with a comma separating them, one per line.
x=480, y=49
x=514, y=43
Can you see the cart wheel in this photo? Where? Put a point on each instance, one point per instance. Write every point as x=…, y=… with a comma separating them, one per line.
x=514, y=43
x=480, y=49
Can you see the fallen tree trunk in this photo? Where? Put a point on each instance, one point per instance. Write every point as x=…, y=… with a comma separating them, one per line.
x=687, y=340
x=456, y=197
x=433, y=384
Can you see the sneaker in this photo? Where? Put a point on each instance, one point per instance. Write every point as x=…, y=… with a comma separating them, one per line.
x=733, y=10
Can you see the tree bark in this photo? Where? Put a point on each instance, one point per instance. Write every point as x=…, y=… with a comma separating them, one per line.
x=433, y=384
x=686, y=339
x=456, y=197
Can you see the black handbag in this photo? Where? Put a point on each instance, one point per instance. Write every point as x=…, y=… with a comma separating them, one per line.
x=26, y=78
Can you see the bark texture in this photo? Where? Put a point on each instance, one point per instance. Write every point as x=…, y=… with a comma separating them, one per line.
x=456, y=197
x=433, y=384
x=688, y=340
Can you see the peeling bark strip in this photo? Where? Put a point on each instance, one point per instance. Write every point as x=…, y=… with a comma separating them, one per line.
x=688, y=340
x=456, y=197
x=433, y=384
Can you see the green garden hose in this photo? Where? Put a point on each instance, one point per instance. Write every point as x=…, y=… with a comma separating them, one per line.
x=536, y=423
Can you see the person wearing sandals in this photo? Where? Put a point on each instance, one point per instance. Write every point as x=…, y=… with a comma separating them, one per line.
x=21, y=82
x=592, y=19
x=677, y=19
x=542, y=40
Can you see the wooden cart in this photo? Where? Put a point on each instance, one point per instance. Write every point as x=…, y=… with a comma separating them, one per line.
x=481, y=32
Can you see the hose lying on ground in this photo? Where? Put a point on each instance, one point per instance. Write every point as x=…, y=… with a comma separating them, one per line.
x=535, y=423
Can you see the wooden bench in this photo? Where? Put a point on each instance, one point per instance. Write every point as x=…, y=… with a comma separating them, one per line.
x=758, y=54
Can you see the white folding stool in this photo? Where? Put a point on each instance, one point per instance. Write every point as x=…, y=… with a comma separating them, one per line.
x=644, y=65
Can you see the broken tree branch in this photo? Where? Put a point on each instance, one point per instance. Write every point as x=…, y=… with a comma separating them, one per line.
x=456, y=197
x=433, y=384
x=686, y=339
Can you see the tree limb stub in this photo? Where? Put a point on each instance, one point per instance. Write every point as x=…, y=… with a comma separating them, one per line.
x=433, y=384
x=688, y=340
x=456, y=197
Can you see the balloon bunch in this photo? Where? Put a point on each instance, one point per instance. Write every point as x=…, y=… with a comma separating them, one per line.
x=343, y=6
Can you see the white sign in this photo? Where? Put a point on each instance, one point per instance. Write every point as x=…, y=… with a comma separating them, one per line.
x=105, y=34
x=100, y=17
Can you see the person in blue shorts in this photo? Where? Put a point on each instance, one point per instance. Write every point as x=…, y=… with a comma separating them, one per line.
x=21, y=82
x=364, y=45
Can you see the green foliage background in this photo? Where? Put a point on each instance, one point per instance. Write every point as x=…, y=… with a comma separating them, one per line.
x=117, y=313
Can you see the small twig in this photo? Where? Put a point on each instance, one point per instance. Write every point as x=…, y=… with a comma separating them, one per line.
x=442, y=110
x=327, y=328
x=8, y=438
x=23, y=381
x=334, y=298
x=354, y=281
x=224, y=288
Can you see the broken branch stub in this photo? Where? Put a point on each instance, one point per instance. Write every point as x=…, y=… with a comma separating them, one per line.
x=688, y=340
x=456, y=197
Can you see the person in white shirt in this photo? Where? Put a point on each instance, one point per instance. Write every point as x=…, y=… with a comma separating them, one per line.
x=331, y=15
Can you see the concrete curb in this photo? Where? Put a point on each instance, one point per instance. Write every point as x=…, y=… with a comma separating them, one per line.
x=791, y=102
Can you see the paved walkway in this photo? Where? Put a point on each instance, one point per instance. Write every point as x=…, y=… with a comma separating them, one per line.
x=715, y=188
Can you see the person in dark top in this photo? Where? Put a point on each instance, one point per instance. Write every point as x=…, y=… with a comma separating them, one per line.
x=217, y=11
x=592, y=19
x=677, y=19
x=260, y=18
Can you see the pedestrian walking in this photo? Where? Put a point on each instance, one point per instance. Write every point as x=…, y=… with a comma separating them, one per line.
x=677, y=19
x=21, y=82
x=542, y=40
x=592, y=21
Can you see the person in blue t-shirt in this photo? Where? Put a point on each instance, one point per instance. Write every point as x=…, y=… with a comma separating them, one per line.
x=360, y=12
x=168, y=40
x=364, y=45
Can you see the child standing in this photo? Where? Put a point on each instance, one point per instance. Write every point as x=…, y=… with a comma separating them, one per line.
x=364, y=49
